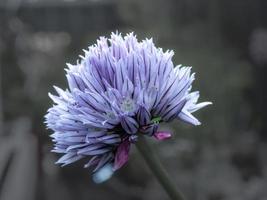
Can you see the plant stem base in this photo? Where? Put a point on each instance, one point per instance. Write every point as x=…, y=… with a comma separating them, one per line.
x=156, y=167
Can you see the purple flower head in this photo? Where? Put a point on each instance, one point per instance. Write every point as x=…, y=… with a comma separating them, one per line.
x=120, y=89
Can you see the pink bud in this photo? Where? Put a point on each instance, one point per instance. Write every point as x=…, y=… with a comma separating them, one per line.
x=122, y=154
x=162, y=135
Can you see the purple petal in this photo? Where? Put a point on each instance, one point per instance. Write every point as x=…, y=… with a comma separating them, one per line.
x=98, y=151
x=188, y=117
x=69, y=158
x=149, y=130
x=129, y=124
x=86, y=150
x=173, y=110
x=106, y=158
x=93, y=161
x=143, y=116
x=122, y=154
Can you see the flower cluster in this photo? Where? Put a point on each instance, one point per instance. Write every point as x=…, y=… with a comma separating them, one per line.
x=119, y=90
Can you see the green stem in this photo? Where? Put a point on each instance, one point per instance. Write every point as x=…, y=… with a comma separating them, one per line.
x=156, y=167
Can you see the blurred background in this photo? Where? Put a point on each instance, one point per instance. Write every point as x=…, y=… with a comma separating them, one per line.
x=224, y=41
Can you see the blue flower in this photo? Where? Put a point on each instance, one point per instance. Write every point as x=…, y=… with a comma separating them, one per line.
x=120, y=89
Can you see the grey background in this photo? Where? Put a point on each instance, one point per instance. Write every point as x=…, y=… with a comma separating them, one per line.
x=224, y=41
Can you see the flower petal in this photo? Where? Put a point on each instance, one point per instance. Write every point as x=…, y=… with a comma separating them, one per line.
x=162, y=135
x=122, y=155
x=129, y=124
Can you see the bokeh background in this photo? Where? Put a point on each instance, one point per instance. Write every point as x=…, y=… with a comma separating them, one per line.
x=226, y=43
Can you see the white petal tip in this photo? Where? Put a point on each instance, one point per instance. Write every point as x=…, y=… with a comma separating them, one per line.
x=103, y=174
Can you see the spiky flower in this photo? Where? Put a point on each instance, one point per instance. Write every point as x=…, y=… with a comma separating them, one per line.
x=120, y=90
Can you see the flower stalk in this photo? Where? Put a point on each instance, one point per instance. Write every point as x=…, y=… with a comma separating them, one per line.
x=158, y=170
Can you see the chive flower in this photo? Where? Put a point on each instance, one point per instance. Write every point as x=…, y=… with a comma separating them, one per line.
x=119, y=90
